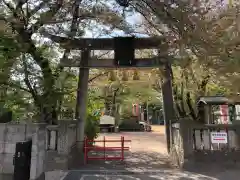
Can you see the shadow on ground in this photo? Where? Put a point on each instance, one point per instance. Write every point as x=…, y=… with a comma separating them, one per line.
x=146, y=160
x=146, y=166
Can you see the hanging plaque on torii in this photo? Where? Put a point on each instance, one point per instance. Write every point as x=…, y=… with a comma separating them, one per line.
x=124, y=51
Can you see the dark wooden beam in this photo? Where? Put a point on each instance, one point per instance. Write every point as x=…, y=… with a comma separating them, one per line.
x=109, y=63
x=168, y=103
x=105, y=43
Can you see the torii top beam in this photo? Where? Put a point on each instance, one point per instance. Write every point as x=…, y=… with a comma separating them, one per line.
x=104, y=43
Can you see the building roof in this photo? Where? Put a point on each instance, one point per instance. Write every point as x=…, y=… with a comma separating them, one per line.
x=217, y=100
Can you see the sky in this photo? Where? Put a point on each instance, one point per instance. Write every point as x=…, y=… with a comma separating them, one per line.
x=131, y=19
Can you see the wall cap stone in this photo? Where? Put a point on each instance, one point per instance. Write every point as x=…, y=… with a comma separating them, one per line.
x=72, y=125
x=53, y=127
x=176, y=125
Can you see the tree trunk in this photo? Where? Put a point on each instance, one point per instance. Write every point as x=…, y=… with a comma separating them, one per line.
x=190, y=106
x=176, y=102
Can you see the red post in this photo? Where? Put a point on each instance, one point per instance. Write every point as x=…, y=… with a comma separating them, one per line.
x=85, y=150
x=104, y=148
x=122, y=146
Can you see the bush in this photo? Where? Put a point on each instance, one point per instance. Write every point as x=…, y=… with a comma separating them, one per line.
x=92, y=127
x=6, y=116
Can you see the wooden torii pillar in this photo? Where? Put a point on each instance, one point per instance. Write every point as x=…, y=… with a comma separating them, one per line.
x=168, y=105
x=86, y=62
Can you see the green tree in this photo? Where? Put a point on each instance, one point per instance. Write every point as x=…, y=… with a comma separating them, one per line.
x=8, y=53
x=29, y=21
x=204, y=46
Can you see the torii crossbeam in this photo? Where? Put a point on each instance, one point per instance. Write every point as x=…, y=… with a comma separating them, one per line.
x=108, y=44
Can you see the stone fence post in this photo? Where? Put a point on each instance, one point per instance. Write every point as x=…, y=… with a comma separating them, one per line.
x=61, y=145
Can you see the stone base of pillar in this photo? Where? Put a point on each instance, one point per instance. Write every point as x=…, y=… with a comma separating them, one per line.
x=41, y=177
x=6, y=176
x=80, y=134
x=80, y=146
x=10, y=177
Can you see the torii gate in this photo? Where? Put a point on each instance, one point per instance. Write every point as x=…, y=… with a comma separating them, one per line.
x=124, y=48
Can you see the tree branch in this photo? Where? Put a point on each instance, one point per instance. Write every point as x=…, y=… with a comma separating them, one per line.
x=21, y=3
x=37, y=8
x=10, y=7
x=47, y=15
x=97, y=76
x=13, y=85
x=73, y=31
x=27, y=82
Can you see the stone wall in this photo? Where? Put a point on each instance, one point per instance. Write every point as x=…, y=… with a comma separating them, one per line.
x=53, y=147
x=10, y=134
x=62, y=152
x=191, y=145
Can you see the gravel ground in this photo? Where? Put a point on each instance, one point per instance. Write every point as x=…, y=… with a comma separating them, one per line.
x=158, y=129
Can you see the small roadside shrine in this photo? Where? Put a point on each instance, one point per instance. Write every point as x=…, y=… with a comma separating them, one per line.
x=218, y=110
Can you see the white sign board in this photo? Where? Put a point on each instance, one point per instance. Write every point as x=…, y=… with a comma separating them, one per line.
x=237, y=109
x=219, y=137
x=107, y=120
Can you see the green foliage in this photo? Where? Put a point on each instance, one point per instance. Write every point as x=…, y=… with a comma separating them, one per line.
x=124, y=76
x=8, y=47
x=216, y=89
x=112, y=76
x=41, y=74
x=136, y=75
x=92, y=121
x=92, y=126
x=214, y=43
x=8, y=53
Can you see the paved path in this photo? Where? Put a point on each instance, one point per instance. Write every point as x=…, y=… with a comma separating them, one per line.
x=147, y=160
x=166, y=174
